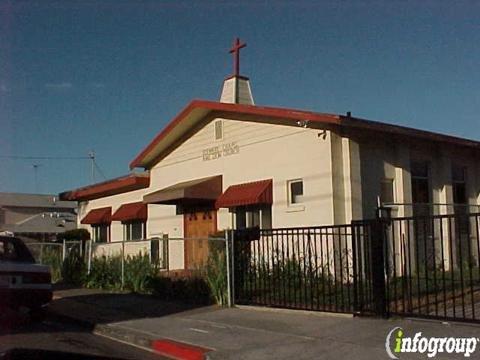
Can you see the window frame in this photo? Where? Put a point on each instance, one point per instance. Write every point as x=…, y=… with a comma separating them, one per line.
x=96, y=232
x=253, y=214
x=416, y=179
x=289, y=193
x=128, y=230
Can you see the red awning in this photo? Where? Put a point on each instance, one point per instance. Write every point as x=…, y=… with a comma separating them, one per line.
x=130, y=212
x=257, y=192
x=98, y=216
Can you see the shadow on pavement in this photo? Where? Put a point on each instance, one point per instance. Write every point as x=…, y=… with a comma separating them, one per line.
x=36, y=354
x=83, y=309
x=102, y=308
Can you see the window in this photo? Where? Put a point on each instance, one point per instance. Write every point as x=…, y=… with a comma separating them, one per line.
x=459, y=189
x=134, y=230
x=253, y=216
x=420, y=189
x=459, y=186
x=295, y=192
x=387, y=192
x=13, y=250
x=218, y=130
x=101, y=233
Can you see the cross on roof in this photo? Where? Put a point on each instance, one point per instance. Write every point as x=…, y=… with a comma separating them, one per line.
x=235, y=50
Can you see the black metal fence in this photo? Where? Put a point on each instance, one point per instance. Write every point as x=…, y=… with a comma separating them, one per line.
x=432, y=266
x=416, y=266
x=310, y=268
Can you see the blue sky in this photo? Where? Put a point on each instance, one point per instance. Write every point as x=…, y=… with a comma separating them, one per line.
x=108, y=75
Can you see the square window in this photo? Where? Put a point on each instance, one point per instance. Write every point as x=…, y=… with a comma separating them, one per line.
x=100, y=232
x=295, y=190
x=134, y=230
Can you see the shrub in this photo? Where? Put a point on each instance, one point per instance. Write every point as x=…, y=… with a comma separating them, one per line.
x=105, y=273
x=74, y=269
x=53, y=258
x=216, y=274
x=75, y=234
x=138, y=271
x=191, y=290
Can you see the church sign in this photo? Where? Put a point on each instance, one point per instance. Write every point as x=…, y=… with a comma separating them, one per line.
x=218, y=151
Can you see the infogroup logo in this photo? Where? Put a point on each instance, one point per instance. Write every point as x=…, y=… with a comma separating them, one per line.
x=397, y=343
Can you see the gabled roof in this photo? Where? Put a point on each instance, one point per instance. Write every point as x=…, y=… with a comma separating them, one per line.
x=45, y=222
x=34, y=200
x=107, y=188
x=201, y=110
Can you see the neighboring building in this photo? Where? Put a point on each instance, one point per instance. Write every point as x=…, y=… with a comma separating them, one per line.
x=36, y=216
x=232, y=164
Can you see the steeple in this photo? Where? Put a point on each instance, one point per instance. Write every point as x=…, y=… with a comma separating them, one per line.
x=236, y=88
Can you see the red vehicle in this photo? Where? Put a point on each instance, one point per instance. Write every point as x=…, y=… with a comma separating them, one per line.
x=23, y=283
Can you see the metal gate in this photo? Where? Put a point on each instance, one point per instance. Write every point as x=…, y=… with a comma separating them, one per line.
x=308, y=268
x=417, y=266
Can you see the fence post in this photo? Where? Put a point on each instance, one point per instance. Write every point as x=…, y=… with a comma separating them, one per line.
x=123, y=264
x=227, y=255
x=89, y=260
x=232, y=261
x=356, y=306
x=64, y=250
x=41, y=253
x=165, y=251
x=378, y=268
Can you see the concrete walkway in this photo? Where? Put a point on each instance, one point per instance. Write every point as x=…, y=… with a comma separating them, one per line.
x=246, y=333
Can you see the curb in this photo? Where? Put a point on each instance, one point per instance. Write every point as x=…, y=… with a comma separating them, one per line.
x=295, y=311
x=166, y=347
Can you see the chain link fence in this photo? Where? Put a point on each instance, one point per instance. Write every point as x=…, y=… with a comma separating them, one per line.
x=54, y=254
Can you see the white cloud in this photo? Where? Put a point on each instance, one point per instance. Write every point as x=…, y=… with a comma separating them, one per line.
x=62, y=85
x=3, y=88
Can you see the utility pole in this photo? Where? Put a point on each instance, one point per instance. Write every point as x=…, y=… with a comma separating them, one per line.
x=91, y=155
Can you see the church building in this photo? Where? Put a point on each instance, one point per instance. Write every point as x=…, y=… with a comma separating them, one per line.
x=231, y=164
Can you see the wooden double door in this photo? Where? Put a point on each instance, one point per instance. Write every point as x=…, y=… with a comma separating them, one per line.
x=198, y=225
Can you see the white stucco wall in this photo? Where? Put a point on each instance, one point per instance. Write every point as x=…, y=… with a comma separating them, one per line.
x=115, y=201
x=387, y=159
x=265, y=151
x=341, y=174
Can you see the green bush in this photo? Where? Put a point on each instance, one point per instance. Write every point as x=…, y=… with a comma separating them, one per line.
x=216, y=273
x=74, y=269
x=75, y=234
x=105, y=273
x=138, y=271
x=52, y=257
x=190, y=290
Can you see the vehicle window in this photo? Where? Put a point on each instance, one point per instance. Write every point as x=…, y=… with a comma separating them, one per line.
x=12, y=249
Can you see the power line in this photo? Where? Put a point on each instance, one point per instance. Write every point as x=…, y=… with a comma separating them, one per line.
x=18, y=157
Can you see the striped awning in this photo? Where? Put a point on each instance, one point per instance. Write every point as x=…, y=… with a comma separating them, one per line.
x=98, y=216
x=131, y=212
x=252, y=193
